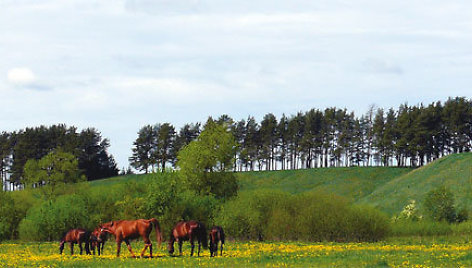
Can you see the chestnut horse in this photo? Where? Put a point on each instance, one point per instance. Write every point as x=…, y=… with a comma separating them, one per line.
x=76, y=236
x=216, y=235
x=125, y=230
x=190, y=230
x=97, y=240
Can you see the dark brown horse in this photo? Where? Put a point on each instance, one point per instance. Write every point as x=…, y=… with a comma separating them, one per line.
x=76, y=236
x=97, y=240
x=125, y=230
x=216, y=235
x=189, y=230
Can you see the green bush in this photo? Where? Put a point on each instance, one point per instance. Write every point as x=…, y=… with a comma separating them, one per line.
x=50, y=219
x=439, y=204
x=7, y=216
x=275, y=215
x=170, y=204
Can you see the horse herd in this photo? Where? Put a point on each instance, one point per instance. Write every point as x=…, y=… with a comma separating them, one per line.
x=126, y=230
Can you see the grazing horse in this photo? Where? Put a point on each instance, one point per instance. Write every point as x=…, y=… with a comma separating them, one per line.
x=76, y=236
x=190, y=230
x=216, y=235
x=97, y=240
x=125, y=230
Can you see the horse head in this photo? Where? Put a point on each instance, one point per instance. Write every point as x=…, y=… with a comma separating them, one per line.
x=106, y=228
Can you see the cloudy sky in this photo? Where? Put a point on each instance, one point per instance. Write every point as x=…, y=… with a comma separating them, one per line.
x=119, y=65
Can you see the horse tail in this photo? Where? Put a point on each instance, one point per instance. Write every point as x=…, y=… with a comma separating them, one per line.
x=158, y=230
x=221, y=234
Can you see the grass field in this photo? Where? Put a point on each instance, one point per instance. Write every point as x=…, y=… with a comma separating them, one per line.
x=453, y=171
x=386, y=254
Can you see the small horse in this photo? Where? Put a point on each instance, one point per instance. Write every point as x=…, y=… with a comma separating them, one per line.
x=97, y=240
x=76, y=236
x=216, y=235
x=125, y=230
x=190, y=230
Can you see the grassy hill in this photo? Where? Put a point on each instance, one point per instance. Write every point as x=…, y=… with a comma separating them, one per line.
x=388, y=188
x=354, y=183
x=454, y=171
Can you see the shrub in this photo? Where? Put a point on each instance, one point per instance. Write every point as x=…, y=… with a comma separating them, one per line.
x=7, y=215
x=275, y=215
x=439, y=204
x=50, y=219
x=170, y=204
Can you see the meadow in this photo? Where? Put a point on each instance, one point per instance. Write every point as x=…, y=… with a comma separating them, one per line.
x=397, y=253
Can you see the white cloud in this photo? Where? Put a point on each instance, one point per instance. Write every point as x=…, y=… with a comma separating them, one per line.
x=117, y=65
x=21, y=76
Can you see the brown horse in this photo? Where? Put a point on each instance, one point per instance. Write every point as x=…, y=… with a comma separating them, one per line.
x=125, y=230
x=190, y=230
x=216, y=235
x=76, y=236
x=97, y=240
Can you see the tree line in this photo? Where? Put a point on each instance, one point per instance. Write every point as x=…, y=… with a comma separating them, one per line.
x=88, y=146
x=408, y=136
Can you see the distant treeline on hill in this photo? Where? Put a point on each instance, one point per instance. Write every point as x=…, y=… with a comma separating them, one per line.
x=16, y=148
x=408, y=136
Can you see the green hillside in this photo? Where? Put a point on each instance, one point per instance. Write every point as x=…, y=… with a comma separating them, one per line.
x=454, y=171
x=354, y=183
x=388, y=188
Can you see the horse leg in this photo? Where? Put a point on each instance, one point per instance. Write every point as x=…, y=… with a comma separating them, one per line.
x=118, y=247
x=221, y=248
x=71, y=248
x=199, y=246
x=61, y=247
x=192, y=244
x=180, y=246
x=129, y=248
x=80, y=246
x=147, y=243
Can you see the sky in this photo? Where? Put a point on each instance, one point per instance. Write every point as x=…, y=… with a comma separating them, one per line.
x=119, y=65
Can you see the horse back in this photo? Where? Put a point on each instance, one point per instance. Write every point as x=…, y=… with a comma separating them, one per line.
x=76, y=235
x=134, y=229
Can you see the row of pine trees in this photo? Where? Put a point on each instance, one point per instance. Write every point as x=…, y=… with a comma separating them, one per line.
x=16, y=148
x=408, y=136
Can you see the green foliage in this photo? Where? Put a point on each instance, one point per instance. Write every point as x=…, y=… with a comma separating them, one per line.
x=170, y=203
x=410, y=212
x=55, y=168
x=410, y=228
x=7, y=214
x=439, y=204
x=50, y=219
x=205, y=162
x=276, y=215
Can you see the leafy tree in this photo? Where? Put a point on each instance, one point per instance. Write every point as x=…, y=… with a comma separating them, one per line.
x=93, y=157
x=205, y=163
x=54, y=169
x=165, y=144
x=143, y=150
x=187, y=133
x=7, y=213
x=439, y=204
